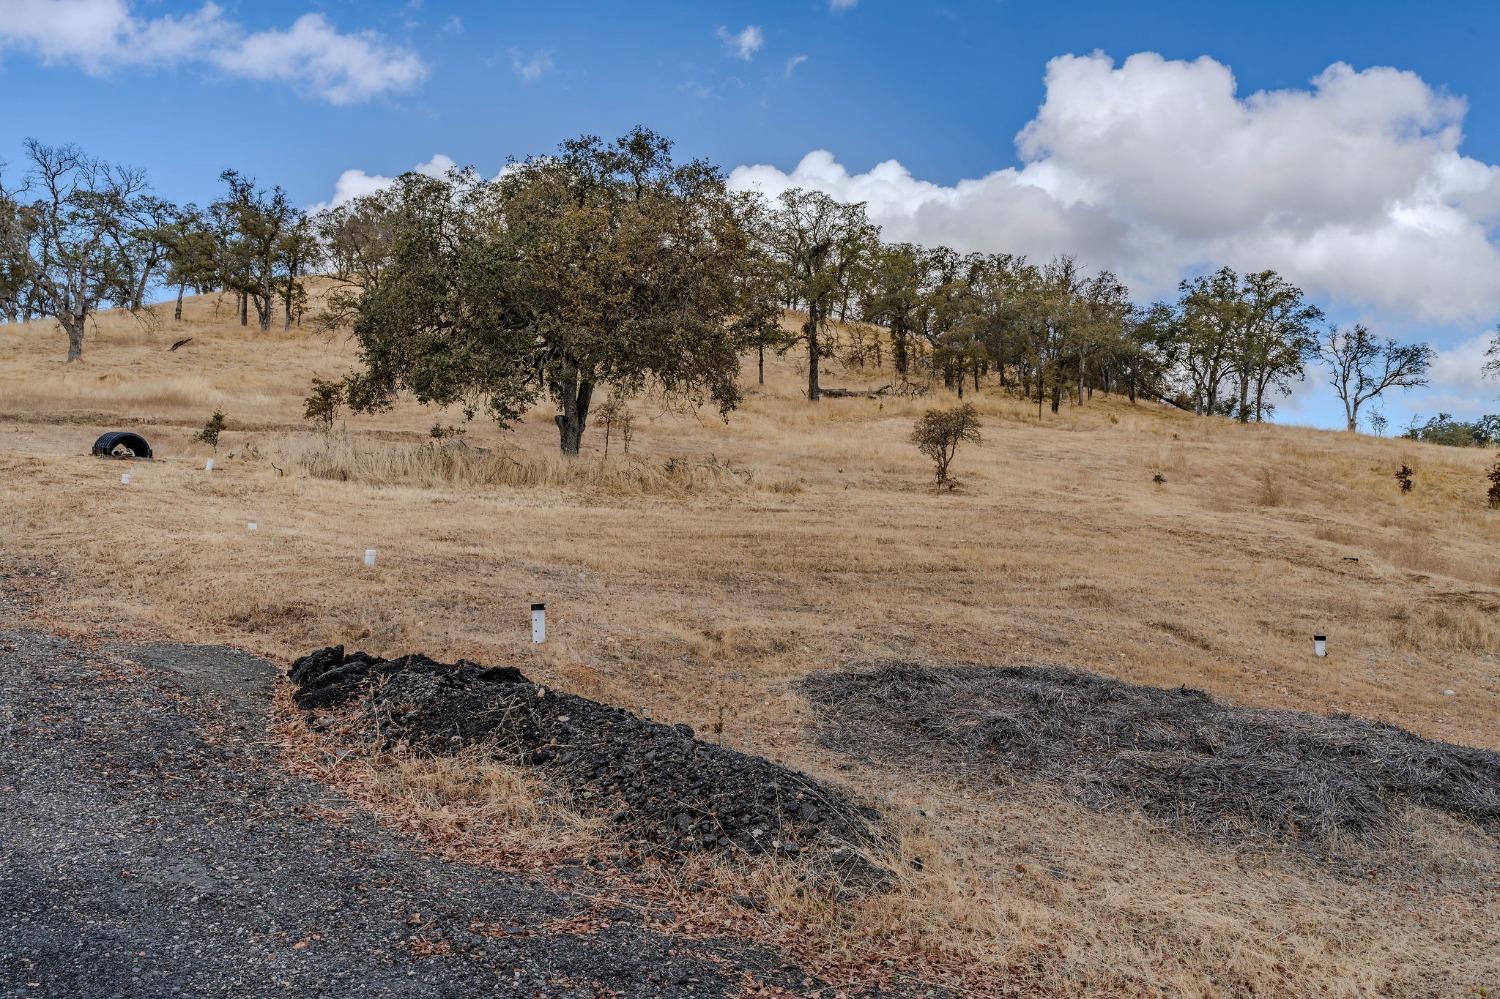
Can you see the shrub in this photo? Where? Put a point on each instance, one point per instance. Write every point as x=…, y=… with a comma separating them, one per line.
x=1404, y=476
x=324, y=401
x=211, y=431
x=939, y=433
x=1494, y=493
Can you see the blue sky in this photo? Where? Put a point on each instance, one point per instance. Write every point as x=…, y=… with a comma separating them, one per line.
x=1379, y=199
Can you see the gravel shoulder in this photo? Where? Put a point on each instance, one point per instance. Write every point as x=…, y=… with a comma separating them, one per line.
x=151, y=844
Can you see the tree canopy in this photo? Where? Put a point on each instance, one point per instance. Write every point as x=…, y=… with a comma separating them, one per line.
x=607, y=264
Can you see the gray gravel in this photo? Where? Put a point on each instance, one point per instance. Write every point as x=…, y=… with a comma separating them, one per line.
x=150, y=845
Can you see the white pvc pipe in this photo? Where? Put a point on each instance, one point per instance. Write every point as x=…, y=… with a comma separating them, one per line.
x=125, y=479
x=252, y=526
x=208, y=466
x=538, y=624
x=369, y=558
x=1320, y=645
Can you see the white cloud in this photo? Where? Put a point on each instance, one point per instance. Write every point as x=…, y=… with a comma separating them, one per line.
x=1353, y=187
x=530, y=68
x=356, y=183
x=742, y=44
x=104, y=35
x=837, y=5
x=794, y=62
x=1461, y=367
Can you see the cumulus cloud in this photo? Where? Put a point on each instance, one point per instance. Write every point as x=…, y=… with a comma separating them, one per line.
x=1461, y=367
x=1353, y=186
x=100, y=36
x=356, y=183
x=742, y=44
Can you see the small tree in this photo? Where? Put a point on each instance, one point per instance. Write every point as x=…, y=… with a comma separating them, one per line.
x=615, y=415
x=211, y=431
x=1494, y=493
x=324, y=401
x=1361, y=366
x=939, y=432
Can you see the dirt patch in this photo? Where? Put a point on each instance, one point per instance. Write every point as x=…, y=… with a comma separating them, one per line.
x=1177, y=755
x=664, y=790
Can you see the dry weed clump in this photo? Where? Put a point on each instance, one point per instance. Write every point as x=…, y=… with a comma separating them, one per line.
x=453, y=463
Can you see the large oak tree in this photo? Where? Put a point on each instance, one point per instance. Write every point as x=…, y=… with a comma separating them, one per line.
x=607, y=264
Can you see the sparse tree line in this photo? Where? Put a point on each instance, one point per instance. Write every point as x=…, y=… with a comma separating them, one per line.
x=608, y=266
x=78, y=235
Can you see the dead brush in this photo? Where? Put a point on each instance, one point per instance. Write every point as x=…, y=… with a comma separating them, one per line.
x=468, y=805
x=1448, y=629
x=1269, y=489
x=455, y=464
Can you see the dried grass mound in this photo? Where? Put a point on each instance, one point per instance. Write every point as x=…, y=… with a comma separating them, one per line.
x=1177, y=755
x=663, y=789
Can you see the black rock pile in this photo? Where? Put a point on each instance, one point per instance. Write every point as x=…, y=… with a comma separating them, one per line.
x=656, y=783
x=1177, y=755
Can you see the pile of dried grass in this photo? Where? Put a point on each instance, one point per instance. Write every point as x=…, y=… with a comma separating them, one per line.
x=1177, y=755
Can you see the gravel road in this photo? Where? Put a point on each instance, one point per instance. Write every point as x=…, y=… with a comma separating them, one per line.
x=151, y=845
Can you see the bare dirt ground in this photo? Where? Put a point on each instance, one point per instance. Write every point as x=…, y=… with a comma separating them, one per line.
x=701, y=580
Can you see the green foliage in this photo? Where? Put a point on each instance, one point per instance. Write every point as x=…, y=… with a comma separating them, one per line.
x=939, y=433
x=324, y=402
x=820, y=248
x=263, y=243
x=1494, y=490
x=211, y=430
x=1444, y=429
x=604, y=265
x=1404, y=477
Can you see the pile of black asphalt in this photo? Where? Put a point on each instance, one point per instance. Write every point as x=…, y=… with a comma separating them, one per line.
x=152, y=845
x=665, y=791
x=1220, y=771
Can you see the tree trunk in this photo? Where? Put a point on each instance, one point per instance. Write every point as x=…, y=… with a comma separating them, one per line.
x=761, y=362
x=73, y=325
x=573, y=398
x=244, y=308
x=1056, y=396
x=811, y=329
x=181, y=290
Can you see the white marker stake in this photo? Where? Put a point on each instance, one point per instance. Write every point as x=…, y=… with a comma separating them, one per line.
x=125, y=479
x=1320, y=645
x=369, y=558
x=208, y=466
x=252, y=526
x=538, y=624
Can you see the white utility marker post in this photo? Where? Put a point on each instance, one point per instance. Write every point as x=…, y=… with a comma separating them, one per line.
x=252, y=526
x=125, y=479
x=208, y=466
x=1320, y=645
x=538, y=624
x=369, y=558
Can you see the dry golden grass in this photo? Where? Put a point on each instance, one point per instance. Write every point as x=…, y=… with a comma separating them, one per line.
x=682, y=602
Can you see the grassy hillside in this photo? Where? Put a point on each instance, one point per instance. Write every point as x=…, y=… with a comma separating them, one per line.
x=703, y=575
